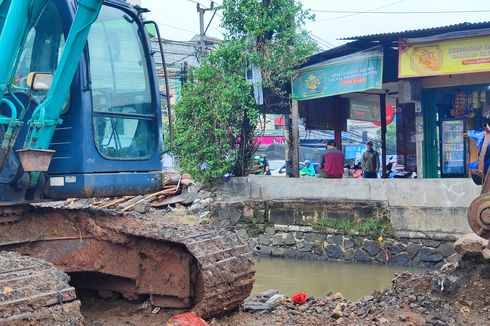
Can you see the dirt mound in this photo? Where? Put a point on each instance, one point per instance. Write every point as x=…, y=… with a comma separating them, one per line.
x=455, y=296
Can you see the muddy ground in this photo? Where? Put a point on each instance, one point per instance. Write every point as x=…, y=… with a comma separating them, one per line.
x=456, y=296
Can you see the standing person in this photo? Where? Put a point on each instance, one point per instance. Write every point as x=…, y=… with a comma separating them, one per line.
x=265, y=166
x=332, y=163
x=370, y=162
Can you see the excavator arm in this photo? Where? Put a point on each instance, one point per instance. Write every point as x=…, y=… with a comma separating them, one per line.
x=16, y=18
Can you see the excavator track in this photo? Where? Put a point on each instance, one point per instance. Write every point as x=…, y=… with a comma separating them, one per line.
x=34, y=292
x=201, y=268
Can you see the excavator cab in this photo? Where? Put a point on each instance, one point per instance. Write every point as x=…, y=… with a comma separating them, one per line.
x=103, y=137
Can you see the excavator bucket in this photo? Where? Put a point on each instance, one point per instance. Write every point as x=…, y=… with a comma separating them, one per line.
x=479, y=216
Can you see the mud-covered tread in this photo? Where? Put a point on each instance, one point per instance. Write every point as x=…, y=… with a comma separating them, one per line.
x=226, y=264
x=221, y=267
x=34, y=292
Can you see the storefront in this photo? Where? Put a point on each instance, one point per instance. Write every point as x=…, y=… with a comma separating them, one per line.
x=452, y=73
x=352, y=86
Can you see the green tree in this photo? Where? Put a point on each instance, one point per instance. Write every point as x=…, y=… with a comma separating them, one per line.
x=274, y=36
x=215, y=119
x=216, y=115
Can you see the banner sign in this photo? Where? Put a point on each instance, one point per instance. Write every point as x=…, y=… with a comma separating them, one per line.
x=369, y=111
x=353, y=73
x=447, y=57
x=354, y=152
x=364, y=111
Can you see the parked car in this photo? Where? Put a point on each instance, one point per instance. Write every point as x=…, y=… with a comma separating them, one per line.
x=278, y=167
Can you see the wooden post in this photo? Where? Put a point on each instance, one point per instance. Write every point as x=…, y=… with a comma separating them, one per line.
x=288, y=150
x=382, y=108
x=295, y=139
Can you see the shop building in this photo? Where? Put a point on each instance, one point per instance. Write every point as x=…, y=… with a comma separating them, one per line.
x=436, y=80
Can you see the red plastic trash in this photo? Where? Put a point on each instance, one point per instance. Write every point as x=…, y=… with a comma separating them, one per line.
x=187, y=319
x=299, y=298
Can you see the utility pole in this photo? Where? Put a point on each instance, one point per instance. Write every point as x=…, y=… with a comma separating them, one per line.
x=294, y=136
x=202, y=31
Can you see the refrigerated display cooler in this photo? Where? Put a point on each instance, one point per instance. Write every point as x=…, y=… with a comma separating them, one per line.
x=452, y=148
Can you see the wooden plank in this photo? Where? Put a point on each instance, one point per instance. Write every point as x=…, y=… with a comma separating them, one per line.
x=116, y=201
x=148, y=198
x=131, y=201
x=167, y=201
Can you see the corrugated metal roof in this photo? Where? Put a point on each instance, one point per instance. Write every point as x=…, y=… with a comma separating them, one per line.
x=421, y=32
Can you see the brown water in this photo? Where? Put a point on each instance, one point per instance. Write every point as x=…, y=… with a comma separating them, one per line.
x=318, y=278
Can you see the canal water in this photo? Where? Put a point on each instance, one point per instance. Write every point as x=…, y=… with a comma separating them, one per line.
x=318, y=278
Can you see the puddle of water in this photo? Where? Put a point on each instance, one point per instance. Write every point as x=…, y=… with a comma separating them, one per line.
x=318, y=278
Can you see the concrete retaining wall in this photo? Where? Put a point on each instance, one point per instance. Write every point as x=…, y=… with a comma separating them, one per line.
x=304, y=243
x=417, y=208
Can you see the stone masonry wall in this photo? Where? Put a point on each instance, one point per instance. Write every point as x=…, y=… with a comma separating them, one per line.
x=305, y=243
x=418, y=208
x=283, y=229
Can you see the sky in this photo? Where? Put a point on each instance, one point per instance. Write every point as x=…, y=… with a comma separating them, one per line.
x=179, y=19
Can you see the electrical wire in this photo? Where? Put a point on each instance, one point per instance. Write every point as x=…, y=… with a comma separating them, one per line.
x=210, y=21
x=402, y=12
x=176, y=27
x=362, y=12
x=182, y=59
x=321, y=41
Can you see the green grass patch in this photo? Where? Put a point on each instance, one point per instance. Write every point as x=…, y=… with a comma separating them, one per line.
x=370, y=227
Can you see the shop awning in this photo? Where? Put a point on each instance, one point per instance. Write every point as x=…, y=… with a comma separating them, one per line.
x=356, y=72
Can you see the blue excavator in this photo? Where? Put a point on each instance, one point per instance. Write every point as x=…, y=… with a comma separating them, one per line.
x=80, y=117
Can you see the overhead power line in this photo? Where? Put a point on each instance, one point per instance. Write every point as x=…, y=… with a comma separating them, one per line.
x=176, y=27
x=362, y=12
x=322, y=41
x=401, y=12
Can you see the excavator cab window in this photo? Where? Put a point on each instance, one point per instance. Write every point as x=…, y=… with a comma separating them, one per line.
x=123, y=105
x=42, y=51
x=43, y=47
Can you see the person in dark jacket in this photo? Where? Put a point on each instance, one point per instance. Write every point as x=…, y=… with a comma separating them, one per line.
x=370, y=162
x=332, y=162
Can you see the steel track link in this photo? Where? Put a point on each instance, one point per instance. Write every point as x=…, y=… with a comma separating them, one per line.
x=202, y=268
x=33, y=292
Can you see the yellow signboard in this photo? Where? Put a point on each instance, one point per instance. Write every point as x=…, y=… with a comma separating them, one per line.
x=446, y=57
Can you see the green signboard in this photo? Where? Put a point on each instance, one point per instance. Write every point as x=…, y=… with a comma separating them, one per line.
x=353, y=73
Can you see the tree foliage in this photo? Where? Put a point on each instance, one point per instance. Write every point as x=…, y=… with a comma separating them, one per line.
x=216, y=118
x=272, y=31
x=211, y=113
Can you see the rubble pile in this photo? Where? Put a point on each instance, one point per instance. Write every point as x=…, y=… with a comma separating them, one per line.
x=455, y=295
x=179, y=191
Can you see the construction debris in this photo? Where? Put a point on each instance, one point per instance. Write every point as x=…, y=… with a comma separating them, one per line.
x=175, y=192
